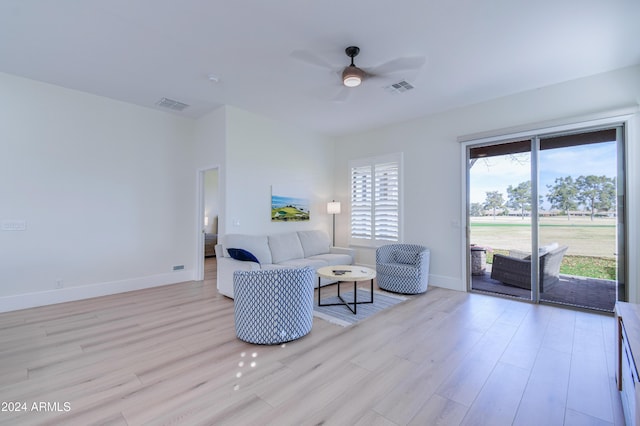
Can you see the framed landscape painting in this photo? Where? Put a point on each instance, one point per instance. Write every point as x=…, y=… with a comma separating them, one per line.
x=289, y=203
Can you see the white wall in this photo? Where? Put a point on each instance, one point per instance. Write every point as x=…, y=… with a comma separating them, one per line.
x=106, y=189
x=109, y=190
x=261, y=153
x=210, y=141
x=432, y=159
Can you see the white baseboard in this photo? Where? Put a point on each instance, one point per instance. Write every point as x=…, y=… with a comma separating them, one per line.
x=438, y=280
x=446, y=282
x=70, y=294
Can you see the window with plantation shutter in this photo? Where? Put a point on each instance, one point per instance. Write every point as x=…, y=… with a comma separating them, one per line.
x=375, y=200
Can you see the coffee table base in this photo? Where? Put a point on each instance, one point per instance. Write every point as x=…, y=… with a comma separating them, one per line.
x=349, y=305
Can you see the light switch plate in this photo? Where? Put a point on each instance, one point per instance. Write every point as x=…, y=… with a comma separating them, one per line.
x=14, y=225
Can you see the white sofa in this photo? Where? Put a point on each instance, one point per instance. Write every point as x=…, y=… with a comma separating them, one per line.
x=285, y=250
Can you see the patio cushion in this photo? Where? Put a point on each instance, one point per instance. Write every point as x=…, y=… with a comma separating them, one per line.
x=546, y=249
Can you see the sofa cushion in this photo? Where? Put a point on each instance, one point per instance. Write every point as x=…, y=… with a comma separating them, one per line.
x=299, y=263
x=285, y=246
x=406, y=257
x=546, y=249
x=397, y=270
x=314, y=242
x=332, y=259
x=258, y=245
x=241, y=254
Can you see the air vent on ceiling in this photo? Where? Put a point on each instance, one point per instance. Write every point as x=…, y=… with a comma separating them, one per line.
x=171, y=104
x=399, y=87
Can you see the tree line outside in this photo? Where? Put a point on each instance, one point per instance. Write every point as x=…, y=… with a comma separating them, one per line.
x=591, y=194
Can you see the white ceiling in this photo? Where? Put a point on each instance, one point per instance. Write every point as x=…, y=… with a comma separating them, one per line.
x=139, y=51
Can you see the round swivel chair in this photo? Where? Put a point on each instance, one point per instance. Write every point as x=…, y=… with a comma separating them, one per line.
x=273, y=306
x=403, y=268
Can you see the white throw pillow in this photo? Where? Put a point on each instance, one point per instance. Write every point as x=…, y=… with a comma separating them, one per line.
x=285, y=247
x=314, y=242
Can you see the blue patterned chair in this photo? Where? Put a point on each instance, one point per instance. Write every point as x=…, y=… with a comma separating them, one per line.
x=274, y=305
x=403, y=268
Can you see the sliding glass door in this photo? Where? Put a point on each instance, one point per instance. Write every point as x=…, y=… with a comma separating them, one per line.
x=548, y=210
x=500, y=236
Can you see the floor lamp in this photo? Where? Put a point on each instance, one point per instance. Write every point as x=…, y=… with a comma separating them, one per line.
x=333, y=208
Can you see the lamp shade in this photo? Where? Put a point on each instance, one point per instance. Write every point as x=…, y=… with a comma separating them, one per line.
x=206, y=221
x=333, y=207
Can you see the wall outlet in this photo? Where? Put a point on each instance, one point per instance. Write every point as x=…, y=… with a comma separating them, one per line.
x=59, y=284
x=178, y=267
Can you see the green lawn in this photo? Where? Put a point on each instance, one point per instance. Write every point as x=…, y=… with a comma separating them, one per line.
x=592, y=244
x=288, y=214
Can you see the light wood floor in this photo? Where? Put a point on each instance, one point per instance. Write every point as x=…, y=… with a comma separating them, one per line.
x=169, y=355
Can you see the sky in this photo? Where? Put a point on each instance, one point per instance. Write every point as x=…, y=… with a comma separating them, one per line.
x=497, y=173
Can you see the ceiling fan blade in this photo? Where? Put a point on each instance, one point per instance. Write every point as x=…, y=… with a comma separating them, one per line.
x=310, y=58
x=342, y=95
x=379, y=78
x=399, y=64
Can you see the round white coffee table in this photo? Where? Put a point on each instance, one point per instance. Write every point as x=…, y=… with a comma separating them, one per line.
x=346, y=273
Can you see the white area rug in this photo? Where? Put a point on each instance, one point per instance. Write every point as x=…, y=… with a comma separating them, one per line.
x=341, y=315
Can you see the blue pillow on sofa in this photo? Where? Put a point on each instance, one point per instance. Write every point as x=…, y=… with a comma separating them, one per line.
x=241, y=254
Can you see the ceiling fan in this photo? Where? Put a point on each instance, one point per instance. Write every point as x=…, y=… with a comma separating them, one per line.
x=352, y=75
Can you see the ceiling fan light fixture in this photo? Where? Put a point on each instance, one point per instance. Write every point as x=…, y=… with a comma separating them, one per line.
x=352, y=76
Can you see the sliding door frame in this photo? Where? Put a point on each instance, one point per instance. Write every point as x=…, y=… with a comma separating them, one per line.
x=535, y=262
x=622, y=243
x=622, y=119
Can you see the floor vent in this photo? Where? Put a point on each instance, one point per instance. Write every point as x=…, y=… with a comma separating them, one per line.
x=171, y=104
x=399, y=87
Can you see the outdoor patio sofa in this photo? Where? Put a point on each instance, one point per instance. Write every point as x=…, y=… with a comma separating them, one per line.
x=515, y=269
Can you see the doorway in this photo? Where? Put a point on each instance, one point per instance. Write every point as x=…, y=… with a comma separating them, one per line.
x=545, y=218
x=208, y=217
